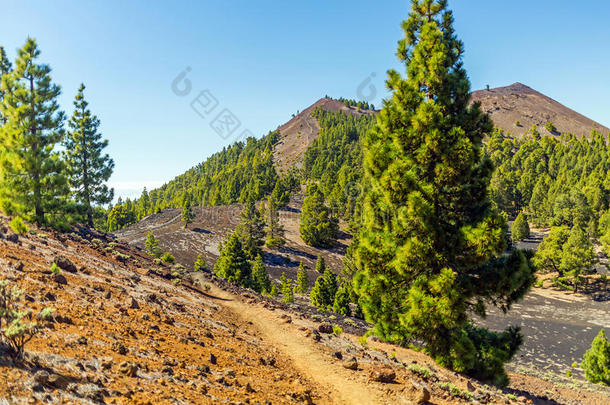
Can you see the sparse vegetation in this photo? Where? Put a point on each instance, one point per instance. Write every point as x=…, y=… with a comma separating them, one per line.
x=18, y=226
x=16, y=325
x=422, y=371
x=337, y=330
x=168, y=258
x=550, y=127
x=199, y=264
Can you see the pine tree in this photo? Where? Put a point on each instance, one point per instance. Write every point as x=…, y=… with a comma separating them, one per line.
x=260, y=277
x=251, y=230
x=152, y=246
x=187, y=211
x=287, y=289
x=341, y=302
x=596, y=361
x=274, y=291
x=5, y=67
x=199, y=264
x=88, y=167
x=316, y=224
x=232, y=264
x=302, y=280
x=33, y=183
x=431, y=245
x=320, y=264
x=520, y=229
x=274, y=230
x=324, y=290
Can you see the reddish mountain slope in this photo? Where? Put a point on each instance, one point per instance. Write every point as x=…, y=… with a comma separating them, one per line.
x=518, y=102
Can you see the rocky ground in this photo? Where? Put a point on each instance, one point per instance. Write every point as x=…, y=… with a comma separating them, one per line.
x=129, y=331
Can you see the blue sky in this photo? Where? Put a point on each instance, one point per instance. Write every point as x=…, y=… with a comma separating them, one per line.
x=264, y=60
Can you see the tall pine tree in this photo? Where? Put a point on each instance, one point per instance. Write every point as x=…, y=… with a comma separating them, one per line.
x=88, y=167
x=252, y=230
x=5, y=67
x=188, y=216
x=317, y=225
x=32, y=176
x=431, y=247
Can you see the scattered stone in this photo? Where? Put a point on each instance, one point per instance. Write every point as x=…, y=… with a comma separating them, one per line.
x=57, y=381
x=133, y=304
x=49, y=296
x=382, y=374
x=65, y=264
x=128, y=368
x=41, y=377
x=325, y=328
x=167, y=370
x=119, y=348
x=249, y=388
x=470, y=387
x=107, y=295
x=13, y=237
x=420, y=393
x=351, y=363
x=230, y=373
x=29, y=298
x=19, y=266
x=107, y=363
x=59, y=279
x=338, y=355
x=82, y=341
x=213, y=359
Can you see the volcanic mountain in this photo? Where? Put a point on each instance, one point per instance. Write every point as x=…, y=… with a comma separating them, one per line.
x=521, y=104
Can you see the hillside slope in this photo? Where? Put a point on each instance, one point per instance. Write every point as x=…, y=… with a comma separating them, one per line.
x=518, y=102
x=129, y=331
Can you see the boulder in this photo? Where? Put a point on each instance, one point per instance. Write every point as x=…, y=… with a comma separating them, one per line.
x=351, y=363
x=65, y=264
x=382, y=374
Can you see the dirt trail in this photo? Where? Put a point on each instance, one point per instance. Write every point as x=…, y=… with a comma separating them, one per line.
x=308, y=359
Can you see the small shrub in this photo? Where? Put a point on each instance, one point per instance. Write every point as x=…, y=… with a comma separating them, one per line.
x=337, y=330
x=168, y=258
x=55, y=268
x=575, y=364
x=596, y=361
x=517, y=123
x=550, y=127
x=512, y=397
x=569, y=373
x=16, y=326
x=363, y=341
x=455, y=391
x=421, y=371
x=199, y=264
x=18, y=226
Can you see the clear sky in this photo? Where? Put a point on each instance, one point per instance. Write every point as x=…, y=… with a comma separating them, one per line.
x=264, y=60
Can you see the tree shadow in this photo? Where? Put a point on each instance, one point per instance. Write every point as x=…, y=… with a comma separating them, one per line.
x=203, y=231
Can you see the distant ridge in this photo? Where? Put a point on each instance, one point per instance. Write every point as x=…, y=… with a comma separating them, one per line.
x=518, y=102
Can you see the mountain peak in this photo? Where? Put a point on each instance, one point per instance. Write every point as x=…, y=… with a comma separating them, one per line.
x=515, y=108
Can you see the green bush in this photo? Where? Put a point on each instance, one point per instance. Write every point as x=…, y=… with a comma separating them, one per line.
x=168, y=258
x=520, y=229
x=337, y=330
x=18, y=226
x=596, y=361
x=55, y=268
x=16, y=326
x=199, y=264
